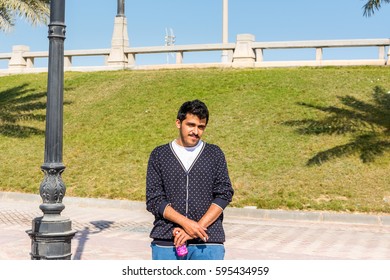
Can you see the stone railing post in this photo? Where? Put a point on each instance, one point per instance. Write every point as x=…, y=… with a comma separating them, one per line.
x=381, y=52
x=179, y=57
x=259, y=55
x=131, y=59
x=67, y=61
x=388, y=57
x=18, y=61
x=30, y=62
x=319, y=55
x=230, y=56
x=119, y=42
x=244, y=55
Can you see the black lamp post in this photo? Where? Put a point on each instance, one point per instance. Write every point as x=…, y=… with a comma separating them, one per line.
x=121, y=8
x=51, y=234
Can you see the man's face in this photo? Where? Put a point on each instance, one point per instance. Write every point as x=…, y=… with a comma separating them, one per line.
x=191, y=130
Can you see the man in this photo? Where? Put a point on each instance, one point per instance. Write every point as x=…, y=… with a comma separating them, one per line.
x=187, y=189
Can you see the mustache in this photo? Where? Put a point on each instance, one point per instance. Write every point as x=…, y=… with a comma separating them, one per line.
x=193, y=134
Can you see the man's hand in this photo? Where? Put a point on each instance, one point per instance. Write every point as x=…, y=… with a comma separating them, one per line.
x=192, y=228
x=180, y=237
x=195, y=230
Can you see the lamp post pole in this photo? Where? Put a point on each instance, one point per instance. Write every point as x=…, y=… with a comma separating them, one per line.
x=51, y=234
x=121, y=8
x=225, y=29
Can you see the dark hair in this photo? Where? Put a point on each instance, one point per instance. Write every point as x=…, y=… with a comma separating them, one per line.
x=195, y=107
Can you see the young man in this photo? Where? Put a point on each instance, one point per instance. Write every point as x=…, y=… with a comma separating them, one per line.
x=187, y=189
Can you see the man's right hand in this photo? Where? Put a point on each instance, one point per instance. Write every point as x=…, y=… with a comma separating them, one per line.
x=180, y=236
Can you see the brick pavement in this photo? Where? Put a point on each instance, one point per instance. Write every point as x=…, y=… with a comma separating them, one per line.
x=118, y=230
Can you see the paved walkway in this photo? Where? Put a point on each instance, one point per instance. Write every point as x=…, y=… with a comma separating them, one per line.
x=118, y=230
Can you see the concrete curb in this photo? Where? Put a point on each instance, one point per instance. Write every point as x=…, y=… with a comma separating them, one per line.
x=314, y=216
x=237, y=213
x=77, y=201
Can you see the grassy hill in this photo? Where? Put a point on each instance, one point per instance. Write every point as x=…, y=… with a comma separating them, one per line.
x=297, y=138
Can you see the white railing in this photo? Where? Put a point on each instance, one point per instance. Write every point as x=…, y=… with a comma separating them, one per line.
x=244, y=53
x=319, y=46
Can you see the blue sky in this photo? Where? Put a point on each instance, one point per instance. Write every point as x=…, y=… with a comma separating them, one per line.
x=90, y=24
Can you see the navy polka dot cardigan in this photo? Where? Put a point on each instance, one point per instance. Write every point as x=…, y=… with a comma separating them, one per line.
x=189, y=192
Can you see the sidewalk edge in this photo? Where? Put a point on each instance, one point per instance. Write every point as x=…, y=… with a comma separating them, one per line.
x=252, y=213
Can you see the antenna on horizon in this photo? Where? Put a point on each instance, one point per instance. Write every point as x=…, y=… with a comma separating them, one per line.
x=169, y=41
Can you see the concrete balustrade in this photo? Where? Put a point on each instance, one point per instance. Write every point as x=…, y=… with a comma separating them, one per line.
x=246, y=52
x=320, y=46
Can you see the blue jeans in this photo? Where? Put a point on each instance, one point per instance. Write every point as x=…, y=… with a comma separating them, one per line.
x=195, y=252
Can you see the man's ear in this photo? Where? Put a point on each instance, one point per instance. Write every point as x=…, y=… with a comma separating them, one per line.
x=178, y=123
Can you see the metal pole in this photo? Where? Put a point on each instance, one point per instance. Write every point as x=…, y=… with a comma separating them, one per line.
x=225, y=29
x=121, y=8
x=51, y=234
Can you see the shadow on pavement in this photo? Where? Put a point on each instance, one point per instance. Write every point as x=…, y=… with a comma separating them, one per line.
x=83, y=235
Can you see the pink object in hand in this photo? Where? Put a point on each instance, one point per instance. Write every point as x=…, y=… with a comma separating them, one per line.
x=182, y=250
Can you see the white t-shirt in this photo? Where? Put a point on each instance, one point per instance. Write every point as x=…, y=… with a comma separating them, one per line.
x=187, y=155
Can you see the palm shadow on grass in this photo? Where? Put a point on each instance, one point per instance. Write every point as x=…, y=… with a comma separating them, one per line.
x=20, y=104
x=368, y=124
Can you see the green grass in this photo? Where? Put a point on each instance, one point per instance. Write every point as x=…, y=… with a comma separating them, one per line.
x=294, y=138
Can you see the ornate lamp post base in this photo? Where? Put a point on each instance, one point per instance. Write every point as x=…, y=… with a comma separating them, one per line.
x=51, y=234
x=51, y=237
